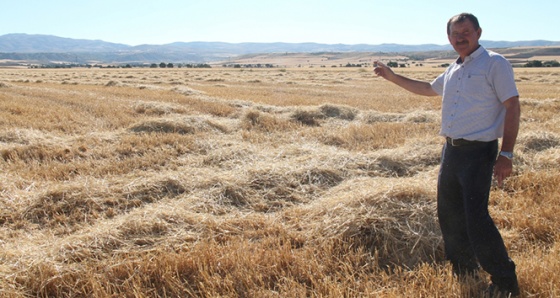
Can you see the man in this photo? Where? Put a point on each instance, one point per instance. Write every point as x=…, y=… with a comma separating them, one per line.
x=480, y=104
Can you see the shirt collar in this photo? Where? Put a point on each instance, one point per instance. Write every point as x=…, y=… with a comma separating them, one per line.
x=472, y=56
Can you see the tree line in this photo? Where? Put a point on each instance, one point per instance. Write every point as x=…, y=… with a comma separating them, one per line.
x=153, y=65
x=539, y=63
x=188, y=65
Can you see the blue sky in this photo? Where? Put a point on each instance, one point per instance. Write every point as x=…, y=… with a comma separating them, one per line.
x=323, y=21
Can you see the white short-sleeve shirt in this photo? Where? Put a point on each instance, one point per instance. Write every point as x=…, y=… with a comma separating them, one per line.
x=473, y=94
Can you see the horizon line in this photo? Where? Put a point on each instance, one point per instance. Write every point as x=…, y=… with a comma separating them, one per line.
x=272, y=42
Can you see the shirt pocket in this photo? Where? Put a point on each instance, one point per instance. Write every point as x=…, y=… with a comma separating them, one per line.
x=478, y=86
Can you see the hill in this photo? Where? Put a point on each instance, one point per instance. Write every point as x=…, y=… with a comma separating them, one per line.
x=42, y=49
x=26, y=43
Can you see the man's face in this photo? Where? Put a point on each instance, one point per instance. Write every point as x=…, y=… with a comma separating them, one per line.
x=464, y=38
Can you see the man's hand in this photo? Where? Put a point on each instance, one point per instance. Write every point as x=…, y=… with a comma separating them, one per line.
x=502, y=169
x=414, y=86
x=383, y=71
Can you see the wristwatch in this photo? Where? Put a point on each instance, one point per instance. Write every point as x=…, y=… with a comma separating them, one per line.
x=506, y=154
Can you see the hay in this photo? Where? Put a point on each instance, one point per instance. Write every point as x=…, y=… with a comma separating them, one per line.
x=265, y=122
x=158, y=108
x=312, y=116
x=74, y=205
x=187, y=125
x=163, y=126
x=396, y=221
x=307, y=117
x=540, y=141
x=421, y=117
x=187, y=91
x=339, y=112
x=375, y=116
x=250, y=190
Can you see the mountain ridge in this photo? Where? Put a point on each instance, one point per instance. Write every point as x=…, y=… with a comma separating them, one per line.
x=47, y=48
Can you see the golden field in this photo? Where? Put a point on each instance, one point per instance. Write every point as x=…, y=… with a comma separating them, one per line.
x=297, y=182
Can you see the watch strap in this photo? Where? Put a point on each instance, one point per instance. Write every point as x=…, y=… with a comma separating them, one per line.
x=506, y=154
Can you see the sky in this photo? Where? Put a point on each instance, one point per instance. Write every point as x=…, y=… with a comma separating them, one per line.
x=411, y=22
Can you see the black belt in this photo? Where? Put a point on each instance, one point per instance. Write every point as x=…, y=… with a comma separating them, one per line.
x=462, y=142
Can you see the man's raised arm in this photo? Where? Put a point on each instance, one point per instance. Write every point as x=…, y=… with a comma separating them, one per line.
x=414, y=86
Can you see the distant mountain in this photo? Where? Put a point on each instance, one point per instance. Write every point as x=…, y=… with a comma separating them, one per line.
x=512, y=44
x=25, y=43
x=48, y=48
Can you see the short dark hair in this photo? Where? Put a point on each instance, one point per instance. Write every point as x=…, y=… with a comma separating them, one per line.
x=461, y=18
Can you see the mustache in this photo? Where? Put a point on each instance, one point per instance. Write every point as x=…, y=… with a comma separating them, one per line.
x=460, y=43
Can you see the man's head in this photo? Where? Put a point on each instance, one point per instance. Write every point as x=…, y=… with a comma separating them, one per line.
x=463, y=32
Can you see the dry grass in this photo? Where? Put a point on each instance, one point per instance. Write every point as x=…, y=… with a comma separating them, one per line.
x=261, y=183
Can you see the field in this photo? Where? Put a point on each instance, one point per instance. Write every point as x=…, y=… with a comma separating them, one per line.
x=283, y=182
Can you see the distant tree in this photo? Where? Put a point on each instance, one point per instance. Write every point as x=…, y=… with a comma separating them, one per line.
x=552, y=63
x=352, y=65
x=153, y=65
x=534, y=63
x=169, y=65
x=393, y=64
x=162, y=65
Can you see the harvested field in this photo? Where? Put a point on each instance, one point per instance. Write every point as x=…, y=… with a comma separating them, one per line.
x=250, y=183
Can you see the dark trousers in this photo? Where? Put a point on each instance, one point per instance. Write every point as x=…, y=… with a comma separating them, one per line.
x=469, y=233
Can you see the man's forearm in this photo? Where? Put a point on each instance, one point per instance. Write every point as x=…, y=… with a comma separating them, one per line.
x=511, y=125
x=414, y=86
